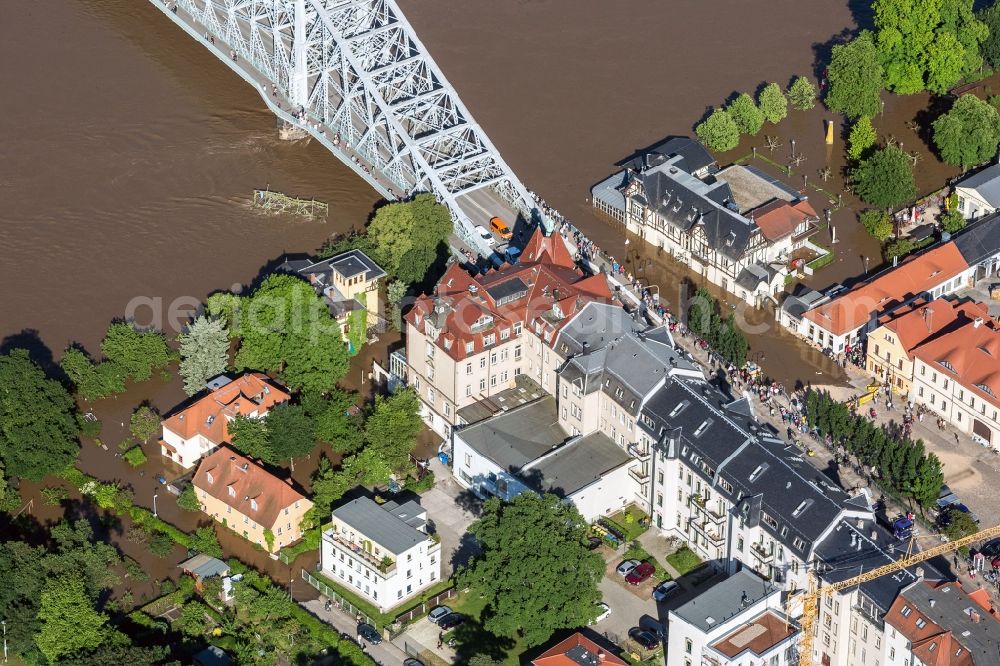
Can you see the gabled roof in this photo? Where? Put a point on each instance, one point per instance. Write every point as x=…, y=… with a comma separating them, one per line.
x=969, y=354
x=693, y=156
x=986, y=182
x=239, y=482
x=253, y=394
x=925, y=321
x=916, y=275
x=779, y=219
x=577, y=650
x=981, y=240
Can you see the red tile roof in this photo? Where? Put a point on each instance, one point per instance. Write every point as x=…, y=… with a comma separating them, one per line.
x=892, y=288
x=250, y=483
x=578, y=642
x=970, y=355
x=925, y=321
x=463, y=304
x=251, y=394
x=779, y=218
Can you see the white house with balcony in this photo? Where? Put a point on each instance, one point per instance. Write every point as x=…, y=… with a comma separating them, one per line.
x=381, y=551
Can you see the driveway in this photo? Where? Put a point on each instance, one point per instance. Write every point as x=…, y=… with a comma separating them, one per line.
x=384, y=653
x=452, y=509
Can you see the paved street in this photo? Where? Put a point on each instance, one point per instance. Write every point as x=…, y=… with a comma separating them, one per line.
x=385, y=653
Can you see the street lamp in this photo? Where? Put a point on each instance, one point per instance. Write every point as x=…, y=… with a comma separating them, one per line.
x=4, y=623
x=865, y=259
x=154, y=506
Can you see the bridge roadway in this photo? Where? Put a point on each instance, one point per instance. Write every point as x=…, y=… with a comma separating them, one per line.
x=472, y=203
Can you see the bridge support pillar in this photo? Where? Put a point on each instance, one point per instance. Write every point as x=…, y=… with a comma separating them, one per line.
x=298, y=91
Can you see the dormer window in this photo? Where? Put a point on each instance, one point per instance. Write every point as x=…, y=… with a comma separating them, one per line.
x=232, y=491
x=253, y=504
x=679, y=408
x=208, y=475
x=761, y=468
x=801, y=508
x=700, y=430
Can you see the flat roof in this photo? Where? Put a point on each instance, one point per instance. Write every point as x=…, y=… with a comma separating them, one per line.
x=515, y=438
x=525, y=390
x=576, y=465
x=724, y=600
x=758, y=635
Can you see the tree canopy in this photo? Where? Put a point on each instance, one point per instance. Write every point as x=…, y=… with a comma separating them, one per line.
x=885, y=179
x=990, y=46
x=204, y=352
x=802, y=94
x=877, y=223
x=719, y=131
x=772, y=103
x=535, y=572
x=392, y=427
x=968, y=134
x=137, y=353
x=744, y=112
x=861, y=138
x=855, y=78
x=38, y=426
x=927, y=44
x=69, y=622
x=405, y=237
x=285, y=326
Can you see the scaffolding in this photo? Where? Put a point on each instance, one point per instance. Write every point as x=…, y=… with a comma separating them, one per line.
x=276, y=202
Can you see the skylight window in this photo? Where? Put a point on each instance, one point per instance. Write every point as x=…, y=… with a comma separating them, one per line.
x=761, y=468
x=679, y=408
x=801, y=508
x=700, y=430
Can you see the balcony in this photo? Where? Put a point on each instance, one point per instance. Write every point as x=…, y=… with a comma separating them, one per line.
x=707, y=530
x=705, y=510
x=355, y=549
x=639, y=451
x=639, y=473
x=701, y=258
x=761, y=555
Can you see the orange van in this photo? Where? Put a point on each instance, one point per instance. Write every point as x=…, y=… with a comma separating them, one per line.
x=501, y=228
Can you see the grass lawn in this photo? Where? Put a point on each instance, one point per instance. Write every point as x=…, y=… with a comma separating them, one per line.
x=631, y=521
x=637, y=552
x=473, y=639
x=684, y=560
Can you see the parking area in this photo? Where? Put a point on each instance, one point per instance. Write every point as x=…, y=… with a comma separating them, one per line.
x=452, y=509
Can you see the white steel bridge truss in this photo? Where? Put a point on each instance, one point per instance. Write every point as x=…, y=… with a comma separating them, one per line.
x=358, y=67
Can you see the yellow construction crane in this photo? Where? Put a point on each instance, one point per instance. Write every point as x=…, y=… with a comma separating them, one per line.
x=810, y=599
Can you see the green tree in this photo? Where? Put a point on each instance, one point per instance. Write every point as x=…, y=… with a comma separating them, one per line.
x=161, y=545
x=204, y=350
x=205, y=541
x=188, y=500
x=249, y=436
x=855, y=78
x=92, y=381
x=877, y=223
x=534, y=572
x=802, y=94
x=392, y=427
x=967, y=134
x=719, y=132
x=899, y=248
x=772, y=103
x=395, y=293
x=334, y=423
x=861, y=138
x=885, y=179
x=952, y=221
x=990, y=47
x=285, y=326
x=960, y=524
x=136, y=353
x=38, y=426
x=144, y=423
x=192, y=619
x=290, y=433
x=69, y=621
x=330, y=484
x=744, y=112
x=407, y=236
x=927, y=44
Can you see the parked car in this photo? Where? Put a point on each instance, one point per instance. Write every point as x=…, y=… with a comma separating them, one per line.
x=640, y=574
x=437, y=613
x=626, y=567
x=499, y=226
x=369, y=633
x=450, y=621
x=665, y=589
x=485, y=234
x=412, y=662
x=991, y=548
x=644, y=638
x=605, y=612
x=594, y=542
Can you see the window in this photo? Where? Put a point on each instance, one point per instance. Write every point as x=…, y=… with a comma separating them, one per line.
x=921, y=623
x=208, y=475
x=253, y=505
x=906, y=611
x=688, y=646
x=505, y=334
x=468, y=460
x=232, y=491
x=482, y=384
x=468, y=390
x=489, y=339
x=482, y=362
x=468, y=368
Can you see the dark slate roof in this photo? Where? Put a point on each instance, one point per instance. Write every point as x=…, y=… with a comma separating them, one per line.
x=724, y=600
x=980, y=240
x=575, y=466
x=948, y=606
x=390, y=525
x=986, y=182
x=507, y=289
x=844, y=557
x=693, y=155
x=518, y=437
x=719, y=438
x=751, y=276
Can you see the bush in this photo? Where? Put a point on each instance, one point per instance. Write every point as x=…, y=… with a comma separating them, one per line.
x=161, y=545
x=684, y=560
x=188, y=500
x=877, y=223
x=135, y=456
x=135, y=571
x=89, y=427
x=421, y=486
x=167, y=586
x=55, y=495
x=952, y=221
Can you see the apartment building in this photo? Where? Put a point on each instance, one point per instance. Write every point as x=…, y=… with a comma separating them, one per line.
x=890, y=347
x=201, y=426
x=382, y=551
x=735, y=227
x=249, y=500
x=958, y=377
x=477, y=333
x=939, y=623
x=739, y=621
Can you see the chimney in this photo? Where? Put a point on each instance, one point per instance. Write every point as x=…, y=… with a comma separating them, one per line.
x=854, y=539
x=919, y=571
x=977, y=322
x=601, y=656
x=928, y=317
x=932, y=602
x=874, y=536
